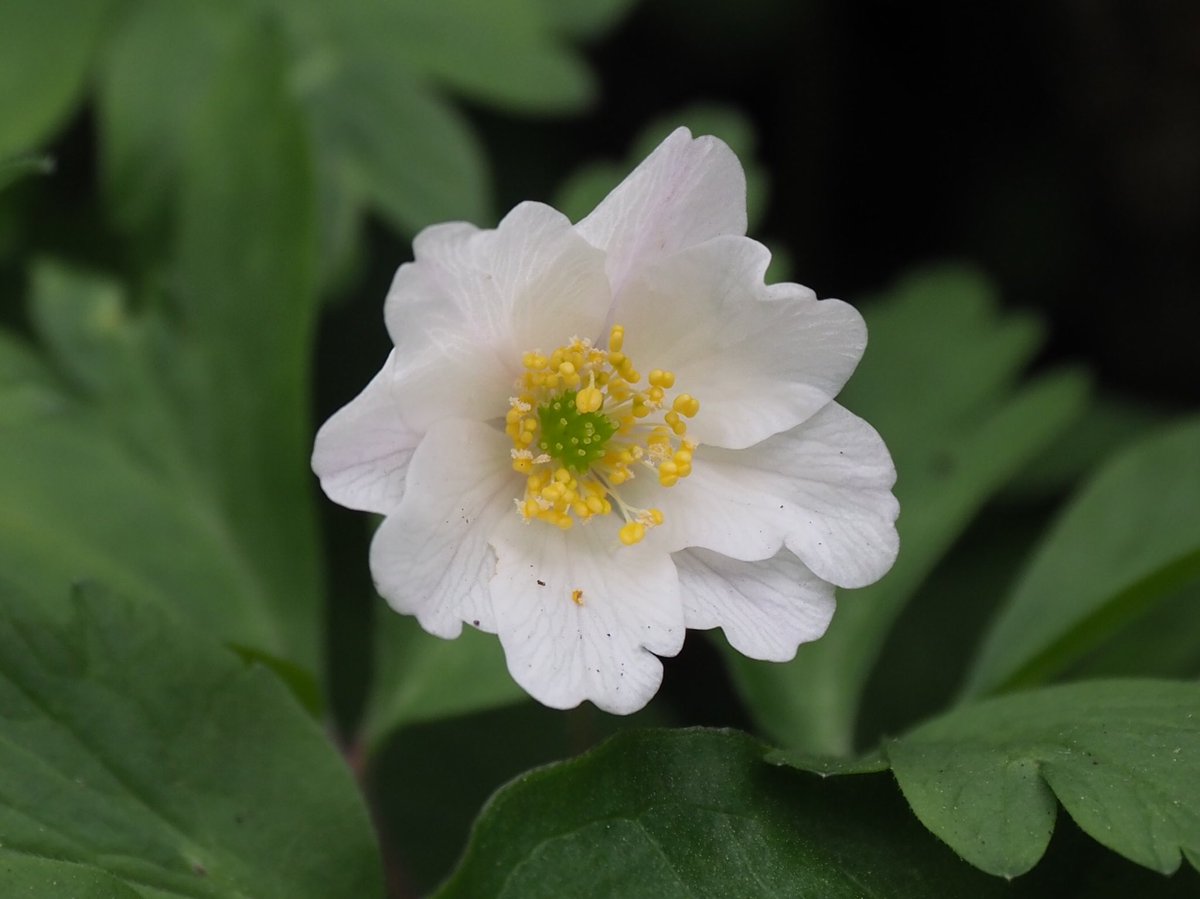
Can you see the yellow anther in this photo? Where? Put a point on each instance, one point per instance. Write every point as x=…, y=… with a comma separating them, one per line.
x=686, y=404
x=524, y=466
x=660, y=378
x=589, y=399
x=668, y=480
x=616, y=338
x=656, y=516
x=534, y=361
x=616, y=359
x=632, y=533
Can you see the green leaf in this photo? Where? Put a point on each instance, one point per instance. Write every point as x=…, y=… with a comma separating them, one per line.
x=99, y=482
x=586, y=18
x=28, y=389
x=1123, y=757
x=27, y=876
x=698, y=813
x=114, y=359
x=46, y=49
x=419, y=677
x=247, y=299
x=1162, y=642
x=429, y=817
x=132, y=746
x=502, y=53
x=968, y=434
x=1107, y=425
x=1130, y=537
x=74, y=505
x=400, y=147
x=159, y=66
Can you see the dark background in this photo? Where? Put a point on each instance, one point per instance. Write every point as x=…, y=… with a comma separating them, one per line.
x=1054, y=144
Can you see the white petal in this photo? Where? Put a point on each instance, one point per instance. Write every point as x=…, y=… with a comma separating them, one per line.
x=431, y=557
x=683, y=193
x=361, y=453
x=766, y=608
x=759, y=359
x=473, y=302
x=822, y=488
x=604, y=646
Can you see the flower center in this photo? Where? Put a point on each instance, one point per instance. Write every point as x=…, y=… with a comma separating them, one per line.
x=581, y=427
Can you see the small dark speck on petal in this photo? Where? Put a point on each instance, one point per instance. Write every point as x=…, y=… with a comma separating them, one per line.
x=781, y=507
x=541, y=583
x=475, y=622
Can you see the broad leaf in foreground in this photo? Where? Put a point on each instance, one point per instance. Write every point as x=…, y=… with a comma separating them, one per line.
x=1129, y=538
x=135, y=752
x=691, y=813
x=1123, y=757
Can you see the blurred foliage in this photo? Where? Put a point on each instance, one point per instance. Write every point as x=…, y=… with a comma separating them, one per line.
x=1129, y=538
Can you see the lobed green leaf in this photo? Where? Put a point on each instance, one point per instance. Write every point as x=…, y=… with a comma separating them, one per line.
x=139, y=759
x=1123, y=757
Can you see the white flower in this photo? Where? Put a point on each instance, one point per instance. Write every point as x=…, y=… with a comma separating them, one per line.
x=589, y=438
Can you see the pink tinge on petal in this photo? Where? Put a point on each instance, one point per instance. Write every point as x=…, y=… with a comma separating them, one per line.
x=361, y=454
x=685, y=192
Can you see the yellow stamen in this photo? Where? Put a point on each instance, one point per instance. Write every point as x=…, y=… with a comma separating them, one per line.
x=581, y=427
